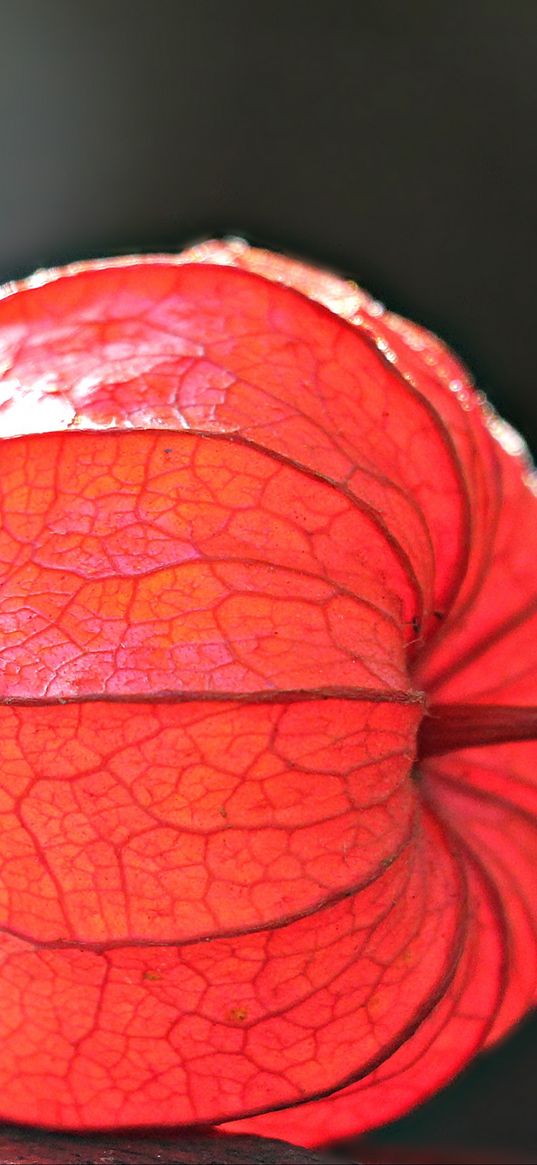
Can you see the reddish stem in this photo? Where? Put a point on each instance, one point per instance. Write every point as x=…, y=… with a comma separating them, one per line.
x=447, y=727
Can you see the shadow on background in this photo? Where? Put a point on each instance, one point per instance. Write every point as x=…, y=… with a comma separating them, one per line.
x=487, y=1114
x=392, y=141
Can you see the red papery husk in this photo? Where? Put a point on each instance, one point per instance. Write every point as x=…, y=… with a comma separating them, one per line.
x=267, y=710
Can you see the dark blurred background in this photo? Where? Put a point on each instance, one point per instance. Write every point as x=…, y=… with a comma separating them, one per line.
x=394, y=141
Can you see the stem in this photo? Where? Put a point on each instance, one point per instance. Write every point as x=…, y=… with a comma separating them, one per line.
x=447, y=727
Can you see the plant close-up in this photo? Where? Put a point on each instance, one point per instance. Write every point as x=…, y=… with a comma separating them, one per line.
x=268, y=702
